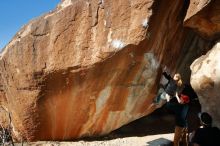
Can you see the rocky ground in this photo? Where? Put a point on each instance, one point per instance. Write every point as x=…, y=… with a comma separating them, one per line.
x=151, y=140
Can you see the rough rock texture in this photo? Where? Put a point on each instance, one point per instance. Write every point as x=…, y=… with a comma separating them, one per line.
x=89, y=67
x=194, y=46
x=204, y=17
x=4, y=120
x=205, y=79
x=2, y=95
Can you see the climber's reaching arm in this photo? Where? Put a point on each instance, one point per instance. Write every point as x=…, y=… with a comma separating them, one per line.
x=168, y=77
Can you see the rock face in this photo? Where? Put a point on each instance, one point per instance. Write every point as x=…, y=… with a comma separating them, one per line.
x=203, y=16
x=4, y=120
x=205, y=79
x=89, y=67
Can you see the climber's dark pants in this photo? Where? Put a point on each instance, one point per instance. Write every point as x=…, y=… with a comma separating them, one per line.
x=181, y=132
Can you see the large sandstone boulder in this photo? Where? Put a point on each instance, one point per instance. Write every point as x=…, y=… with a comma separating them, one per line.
x=4, y=117
x=205, y=79
x=88, y=67
x=204, y=16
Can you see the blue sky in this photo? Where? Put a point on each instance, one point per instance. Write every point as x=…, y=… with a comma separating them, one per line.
x=15, y=13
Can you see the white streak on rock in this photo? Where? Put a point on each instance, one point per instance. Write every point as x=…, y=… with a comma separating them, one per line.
x=145, y=23
x=117, y=44
x=154, y=64
x=102, y=99
x=66, y=3
x=26, y=31
x=109, y=36
x=49, y=15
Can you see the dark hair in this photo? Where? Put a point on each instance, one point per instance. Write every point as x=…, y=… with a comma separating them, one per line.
x=205, y=118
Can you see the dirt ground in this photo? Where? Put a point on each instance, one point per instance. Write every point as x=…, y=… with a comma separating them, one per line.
x=153, y=140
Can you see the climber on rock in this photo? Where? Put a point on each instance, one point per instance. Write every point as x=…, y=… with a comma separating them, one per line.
x=171, y=89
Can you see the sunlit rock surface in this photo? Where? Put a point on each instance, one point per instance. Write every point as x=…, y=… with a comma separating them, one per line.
x=205, y=79
x=204, y=17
